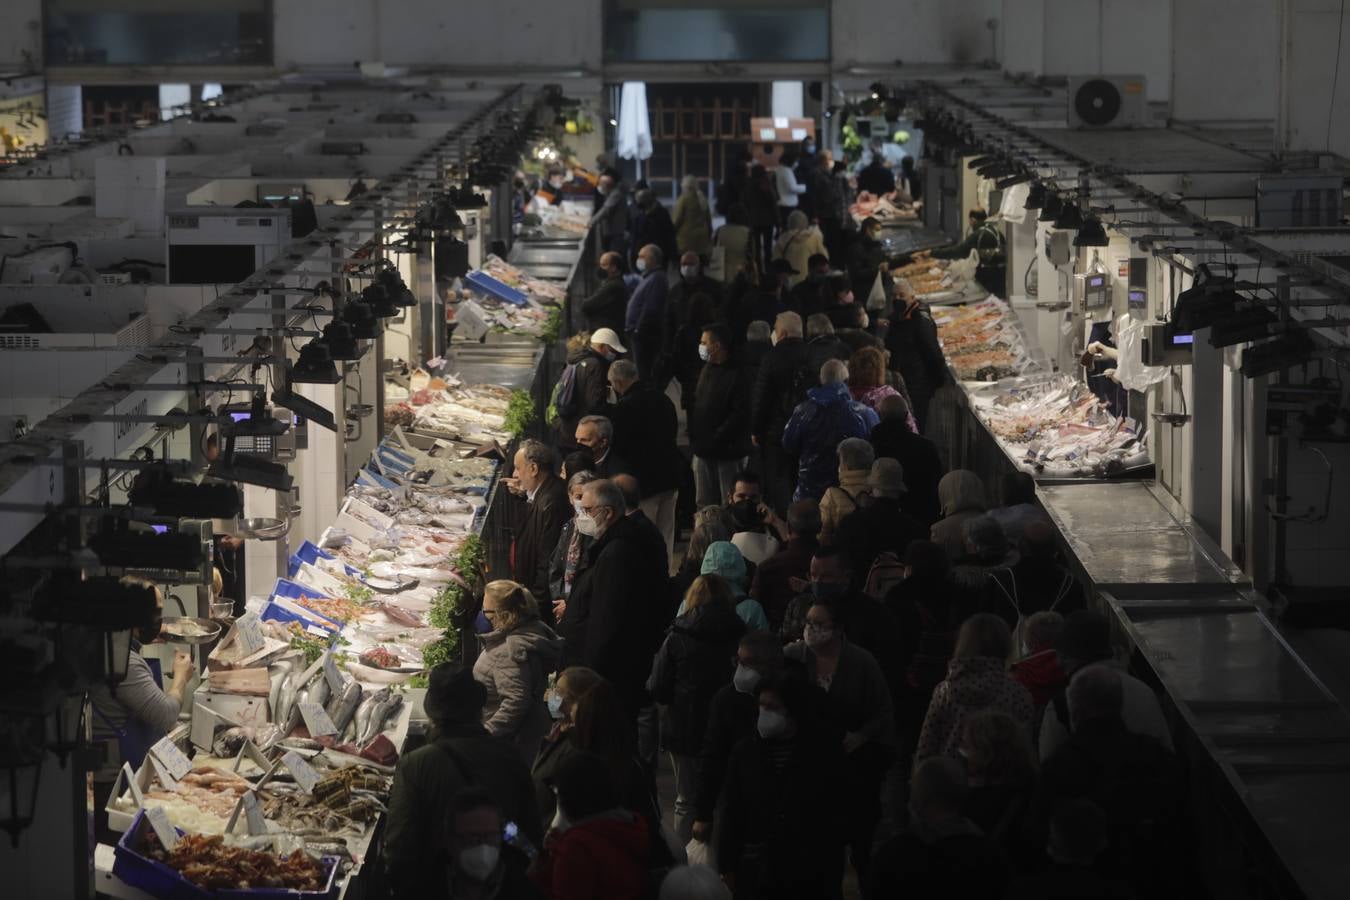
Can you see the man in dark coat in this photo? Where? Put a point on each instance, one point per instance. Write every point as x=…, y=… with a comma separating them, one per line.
x=918, y=458
x=881, y=524
x=655, y=227
x=807, y=297
x=617, y=608
x=590, y=388
x=915, y=353
x=547, y=510
x=772, y=586
x=596, y=434
x=646, y=314
x=771, y=403
x=719, y=423
x=462, y=753
x=827, y=416
x=646, y=430
x=606, y=307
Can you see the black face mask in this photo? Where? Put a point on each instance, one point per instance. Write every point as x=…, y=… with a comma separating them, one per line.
x=746, y=514
x=148, y=632
x=603, y=273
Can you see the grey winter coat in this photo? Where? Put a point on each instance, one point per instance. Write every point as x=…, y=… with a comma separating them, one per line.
x=514, y=667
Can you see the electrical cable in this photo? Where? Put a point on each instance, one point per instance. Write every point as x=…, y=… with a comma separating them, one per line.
x=1336, y=74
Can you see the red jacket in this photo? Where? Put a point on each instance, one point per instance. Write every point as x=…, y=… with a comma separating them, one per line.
x=605, y=858
x=1040, y=674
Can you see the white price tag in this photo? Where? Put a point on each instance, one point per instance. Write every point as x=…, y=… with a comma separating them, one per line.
x=167, y=752
x=331, y=673
x=305, y=775
x=316, y=719
x=248, y=631
x=316, y=631
x=256, y=823
x=162, y=773
x=159, y=820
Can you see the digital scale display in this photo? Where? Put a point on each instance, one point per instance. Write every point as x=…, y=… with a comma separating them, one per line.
x=1096, y=291
x=1138, y=299
x=1183, y=339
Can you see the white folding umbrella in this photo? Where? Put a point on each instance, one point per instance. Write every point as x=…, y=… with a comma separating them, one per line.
x=635, y=131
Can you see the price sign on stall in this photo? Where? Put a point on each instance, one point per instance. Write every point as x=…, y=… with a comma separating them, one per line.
x=167, y=752
x=305, y=775
x=331, y=673
x=164, y=830
x=248, y=631
x=316, y=719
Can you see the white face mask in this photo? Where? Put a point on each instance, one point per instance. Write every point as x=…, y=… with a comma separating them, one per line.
x=556, y=182
x=745, y=679
x=689, y=273
x=815, y=636
x=586, y=525
x=771, y=724
x=555, y=706
x=703, y=353
x=773, y=339
x=642, y=263
x=479, y=861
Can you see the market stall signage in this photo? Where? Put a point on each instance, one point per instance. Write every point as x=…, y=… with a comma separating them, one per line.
x=305, y=775
x=164, y=830
x=167, y=752
x=316, y=719
x=249, y=634
x=331, y=673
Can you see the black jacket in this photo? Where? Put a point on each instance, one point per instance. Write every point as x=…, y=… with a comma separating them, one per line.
x=915, y=353
x=693, y=663
x=855, y=338
x=616, y=611
x=807, y=297
x=876, y=179
x=822, y=349
x=731, y=719
x=865, y=257
x=425, y=781
x=918, y=456
x=750, y=356
x=719, y=422
x=606, y=307
x=591, y=392
x=772, y=402
x=791, y=812
x=645, y=433
x=538, y=536
x=964, y=864
x=656, y=227
x=682, y=326
x=880, y=525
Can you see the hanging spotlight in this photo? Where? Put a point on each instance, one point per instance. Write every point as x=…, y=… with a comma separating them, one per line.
x=302, y=406
x=1090, y=234
x=341, y=340
x=1273, y=356
x=358, y=314
x=1013, y=179
x=1035, y=196
x=1070, y=218
x=1051, y=207
x=116, y=544
x=156, y=488
x=381, y=304
x=315, y=365
x=980, y=161
x=396, y=287
x=245, y=468
x=1248, y=323
x=358, y=188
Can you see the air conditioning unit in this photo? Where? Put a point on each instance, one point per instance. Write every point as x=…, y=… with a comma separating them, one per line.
x=1108, y=101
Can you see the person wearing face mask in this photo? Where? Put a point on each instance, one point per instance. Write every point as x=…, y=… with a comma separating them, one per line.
x=756, y=523
x=616, y=612
x=780, y=823
x=806, y=296
x=551, y=191
x=771, y=406
x=596, y=434
x=131, y=717
x=693, y=302
x=566, y=559
x=692, y=664
x=573, y=683
x=880, y=525
x=827, y=416
x=596, y=848
x=731, y=718
x=646, y=314
x=867, y=261
x=611, y=214
x=589, y=396
x=459, y=753
x=606, y=307
x=719, y=423
x=911, y=341
x=479, y=864
x=513, y=663
x=859, y=704
x=827, y=201
x=653, y=227
x=773, y=577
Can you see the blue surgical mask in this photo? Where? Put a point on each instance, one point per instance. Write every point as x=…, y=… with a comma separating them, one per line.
x=810, y=148
x=555, y=706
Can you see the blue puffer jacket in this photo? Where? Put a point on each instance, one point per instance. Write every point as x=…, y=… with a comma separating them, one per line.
x=818, y=424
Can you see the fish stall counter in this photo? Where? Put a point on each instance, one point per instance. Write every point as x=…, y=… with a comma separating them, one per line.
x=307, y=703
x=1008, y=411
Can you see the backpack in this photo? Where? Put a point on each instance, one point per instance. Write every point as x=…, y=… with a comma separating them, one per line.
x=886, y=572
x=564, y=398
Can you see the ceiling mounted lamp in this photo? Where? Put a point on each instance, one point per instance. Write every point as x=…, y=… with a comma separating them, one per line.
x=247, y=468
x=359, y=315
x=341, y=340
x=303, y=407
x=381, y=303
x=157, y=489
x=1013, y=179
x=1070, y=218
x=20, y=773
x=315, y=365
x=1091, y=234
x=396, y=287
x=1035, y=196
x=1051, y=207
x=65, y=725
x=980, y=161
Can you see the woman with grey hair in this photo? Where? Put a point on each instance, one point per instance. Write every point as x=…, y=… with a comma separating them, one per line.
x=572, y=544
x=855, y=466
x=693, y=220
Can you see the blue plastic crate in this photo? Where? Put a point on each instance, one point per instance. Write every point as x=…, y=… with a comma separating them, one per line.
x=161, y=881
x=486, y=284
